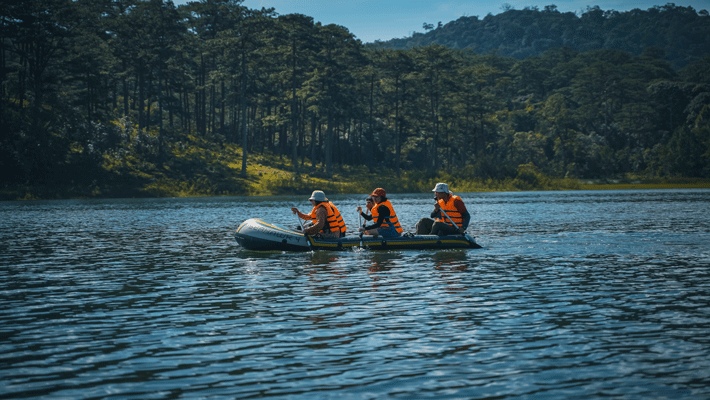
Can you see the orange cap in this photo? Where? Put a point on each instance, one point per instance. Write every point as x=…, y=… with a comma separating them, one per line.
x=379, y=192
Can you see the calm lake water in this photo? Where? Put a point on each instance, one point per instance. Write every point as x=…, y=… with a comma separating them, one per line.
x=587, y=294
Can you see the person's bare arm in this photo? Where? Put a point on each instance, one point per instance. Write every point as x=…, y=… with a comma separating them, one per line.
x=300, y=214
x=321, y=217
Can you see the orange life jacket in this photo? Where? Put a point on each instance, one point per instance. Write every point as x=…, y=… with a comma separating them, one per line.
x=392, y=220
x=334, y=221
x=339, y=222
x=451, y=211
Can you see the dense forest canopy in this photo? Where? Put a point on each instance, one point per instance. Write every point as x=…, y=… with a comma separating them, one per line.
x=680, y=32
x=109, y=89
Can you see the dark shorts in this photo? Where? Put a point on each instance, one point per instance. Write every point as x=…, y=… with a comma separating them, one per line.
x=423, y=226
x=442, y=229
x=387, y=231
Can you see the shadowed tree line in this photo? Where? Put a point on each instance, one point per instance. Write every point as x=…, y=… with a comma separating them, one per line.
x=113, y=91
x=681, y=32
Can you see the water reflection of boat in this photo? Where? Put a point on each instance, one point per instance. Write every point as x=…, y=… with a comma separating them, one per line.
x=255, y=234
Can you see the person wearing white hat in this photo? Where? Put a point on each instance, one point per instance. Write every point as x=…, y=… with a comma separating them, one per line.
x=325, y=217
x=450, y=214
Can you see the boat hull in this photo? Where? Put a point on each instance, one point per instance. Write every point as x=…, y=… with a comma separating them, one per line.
x=255, y=234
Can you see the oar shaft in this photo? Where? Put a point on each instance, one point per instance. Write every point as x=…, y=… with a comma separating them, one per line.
x=360, y=220
x=299, y=220
x=447, y=216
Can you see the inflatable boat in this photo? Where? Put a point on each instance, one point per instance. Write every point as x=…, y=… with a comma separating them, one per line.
x=255, y=234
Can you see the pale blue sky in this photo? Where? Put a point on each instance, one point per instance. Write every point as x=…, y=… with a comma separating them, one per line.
x=370, y=20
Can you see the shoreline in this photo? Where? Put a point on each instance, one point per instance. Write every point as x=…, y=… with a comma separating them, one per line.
x=28, y=193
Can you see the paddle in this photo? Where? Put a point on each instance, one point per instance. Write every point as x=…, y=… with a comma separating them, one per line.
x=298, y=218
x=447, y=216
x=308, y=239
x=360, y=221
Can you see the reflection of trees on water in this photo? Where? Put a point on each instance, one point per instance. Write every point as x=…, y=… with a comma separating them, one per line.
x=383, y=261
x=379, y=264
x=323, y=258
x=321, y=268
x=451, y=260
x=450, y=264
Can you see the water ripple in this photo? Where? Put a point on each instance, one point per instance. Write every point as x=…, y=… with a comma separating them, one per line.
x=154, y=299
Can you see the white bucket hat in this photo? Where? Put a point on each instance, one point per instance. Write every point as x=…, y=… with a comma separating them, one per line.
x=441, y=188
x=318, y=195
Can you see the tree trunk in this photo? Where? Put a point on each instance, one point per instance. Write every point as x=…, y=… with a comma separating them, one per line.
x=329, y=145
x=244, y=116
x=397, y=145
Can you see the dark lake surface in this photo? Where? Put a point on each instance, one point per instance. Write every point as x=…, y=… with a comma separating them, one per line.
x=583, y=294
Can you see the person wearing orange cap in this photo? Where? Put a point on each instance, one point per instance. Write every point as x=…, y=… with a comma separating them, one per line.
x=325, y=217
x=386, y=222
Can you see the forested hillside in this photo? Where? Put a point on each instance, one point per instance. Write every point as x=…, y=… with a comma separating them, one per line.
x=139, y=97
x=680, y=32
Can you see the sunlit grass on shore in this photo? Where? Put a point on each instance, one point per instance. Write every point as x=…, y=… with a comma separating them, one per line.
x=197, y=168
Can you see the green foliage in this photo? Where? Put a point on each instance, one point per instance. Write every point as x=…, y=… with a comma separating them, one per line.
x=680, y=32
x=211, y=98
x=529, y=178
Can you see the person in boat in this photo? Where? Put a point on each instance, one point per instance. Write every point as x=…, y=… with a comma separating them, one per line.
x=454, y=221
x=386, y=222
x=325, y=217
x=369, y=203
